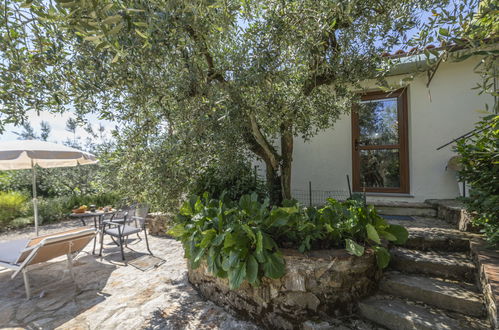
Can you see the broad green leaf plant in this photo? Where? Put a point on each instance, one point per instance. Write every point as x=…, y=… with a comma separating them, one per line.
x=242, y=240
x=480, y=169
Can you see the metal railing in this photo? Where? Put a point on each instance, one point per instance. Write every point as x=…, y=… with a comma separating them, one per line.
x=317, y=197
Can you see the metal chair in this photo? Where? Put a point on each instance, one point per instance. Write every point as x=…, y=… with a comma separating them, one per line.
x=133, y=223
x=121, y=215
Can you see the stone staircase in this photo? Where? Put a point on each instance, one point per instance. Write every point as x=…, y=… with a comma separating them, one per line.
x=432, y=281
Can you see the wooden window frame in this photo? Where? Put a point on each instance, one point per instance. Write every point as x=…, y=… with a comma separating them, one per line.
x=402, y=146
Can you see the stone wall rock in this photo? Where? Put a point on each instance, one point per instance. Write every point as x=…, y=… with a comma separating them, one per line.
x=488, y=268
x=454, y=212
x=159, y=223
x=320, y=283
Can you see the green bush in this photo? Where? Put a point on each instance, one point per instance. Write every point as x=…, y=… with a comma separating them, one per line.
x=480, y=169
x=12, y=205
x=99, y=200
x=241, y=240
x=233, y=179
x=58, y=208
x=16, y=210
x=50, y=209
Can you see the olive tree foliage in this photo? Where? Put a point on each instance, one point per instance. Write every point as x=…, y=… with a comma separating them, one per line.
x=461, y=29
x=468, y=28
x=190, y=81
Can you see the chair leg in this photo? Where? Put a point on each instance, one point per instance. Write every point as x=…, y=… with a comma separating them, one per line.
x=71, y=272
x=101, y=243
x=70, y=266
x=121, y=247
x=26, y=283
x=147, y=242
x=114, y=241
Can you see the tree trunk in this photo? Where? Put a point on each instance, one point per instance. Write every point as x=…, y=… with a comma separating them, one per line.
x=274, y=185
x=286, y=159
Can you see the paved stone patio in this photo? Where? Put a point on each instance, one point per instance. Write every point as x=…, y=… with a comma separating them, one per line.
x=110, y=294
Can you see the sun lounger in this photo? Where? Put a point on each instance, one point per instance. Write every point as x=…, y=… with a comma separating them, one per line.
x=19, y=255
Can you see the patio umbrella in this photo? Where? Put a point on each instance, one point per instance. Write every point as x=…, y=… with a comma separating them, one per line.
x=25, y=154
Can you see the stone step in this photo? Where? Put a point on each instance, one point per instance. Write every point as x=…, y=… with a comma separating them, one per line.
x=453, y=212
x=461, y=298
x=434, y=234
x=397, y=314
x=448, y=265
x=404, y=208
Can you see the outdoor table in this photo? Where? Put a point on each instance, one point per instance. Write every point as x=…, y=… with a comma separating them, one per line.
x=97, y=217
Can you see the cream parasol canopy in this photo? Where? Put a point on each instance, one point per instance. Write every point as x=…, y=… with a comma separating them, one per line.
x=26, y=154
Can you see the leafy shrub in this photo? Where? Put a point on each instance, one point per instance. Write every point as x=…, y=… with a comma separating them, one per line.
x=12, y=205
x=480, y=169
x=241, y=240
x=57, y=208
x=234, y=179
x=19, y=223
x=99, y=200
x=50, y=209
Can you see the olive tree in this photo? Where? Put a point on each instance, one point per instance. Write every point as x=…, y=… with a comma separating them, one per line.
x=196, y=76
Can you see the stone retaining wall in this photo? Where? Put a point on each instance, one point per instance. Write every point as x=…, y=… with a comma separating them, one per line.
x=454, y=212
x=488, y=268
x=159, y=223
x=324, y=283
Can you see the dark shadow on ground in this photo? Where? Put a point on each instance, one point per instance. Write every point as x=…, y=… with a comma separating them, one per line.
x=56, y=297
x=192, y=310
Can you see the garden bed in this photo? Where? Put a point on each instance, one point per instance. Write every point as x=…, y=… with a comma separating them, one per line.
x=318, y=283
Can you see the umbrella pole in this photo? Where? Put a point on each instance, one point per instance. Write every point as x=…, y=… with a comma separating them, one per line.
x=35, y=202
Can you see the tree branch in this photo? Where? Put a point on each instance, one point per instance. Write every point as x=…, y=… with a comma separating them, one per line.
x=212, y=73
x=319, y=63
x=266, y=147
x=287, y=158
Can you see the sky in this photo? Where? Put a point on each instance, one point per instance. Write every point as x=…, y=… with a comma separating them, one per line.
x=57, y=123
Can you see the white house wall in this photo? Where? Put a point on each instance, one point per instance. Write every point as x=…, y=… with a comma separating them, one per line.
x=454, y=107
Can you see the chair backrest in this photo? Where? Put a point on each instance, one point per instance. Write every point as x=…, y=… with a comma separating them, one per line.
x=120, y=214
x=108, y=216
x=48, y=247
x=132, y=209
x=140, y=215
x=142, y=211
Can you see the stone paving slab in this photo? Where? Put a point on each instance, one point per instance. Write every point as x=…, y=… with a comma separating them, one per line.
x=113, y=295
x=109, y=294
x=433, y=228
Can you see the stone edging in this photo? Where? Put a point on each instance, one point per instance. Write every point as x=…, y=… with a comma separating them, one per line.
x=159, y=223
x=488, y=268
x=325, y=283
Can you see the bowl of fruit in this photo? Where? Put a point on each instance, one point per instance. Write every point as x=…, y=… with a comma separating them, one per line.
x=80, y=209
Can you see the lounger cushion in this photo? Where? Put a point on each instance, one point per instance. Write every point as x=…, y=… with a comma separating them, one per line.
x=125, y=230
x=10, y=251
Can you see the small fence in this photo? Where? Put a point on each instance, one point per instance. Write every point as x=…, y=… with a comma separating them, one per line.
x=315, y=197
